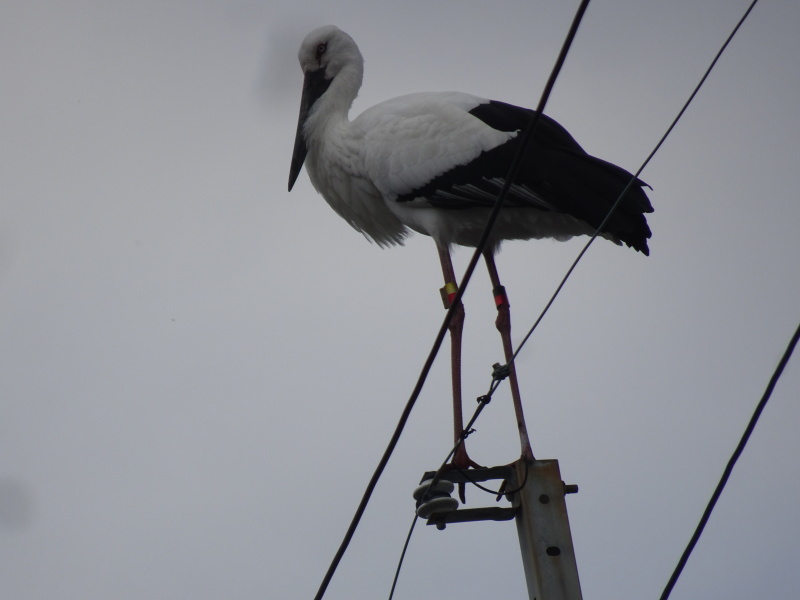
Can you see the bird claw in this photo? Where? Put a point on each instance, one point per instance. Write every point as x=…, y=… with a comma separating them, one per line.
x=461, y=462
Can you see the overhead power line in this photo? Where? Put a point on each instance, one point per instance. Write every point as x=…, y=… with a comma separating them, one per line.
x=729, y=467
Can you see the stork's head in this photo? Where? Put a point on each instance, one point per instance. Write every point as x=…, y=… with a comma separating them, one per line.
x=327, y=55
x=328, y=49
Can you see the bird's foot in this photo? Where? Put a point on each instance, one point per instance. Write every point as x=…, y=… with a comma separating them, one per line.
x=461, y=462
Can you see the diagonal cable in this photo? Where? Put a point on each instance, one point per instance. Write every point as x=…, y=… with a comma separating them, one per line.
x=633, y=180
x=776, y=375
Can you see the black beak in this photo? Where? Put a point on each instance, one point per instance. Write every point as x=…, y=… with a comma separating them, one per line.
x=314, y=85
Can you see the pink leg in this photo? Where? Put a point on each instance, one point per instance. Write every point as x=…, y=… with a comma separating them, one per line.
x=503, y=324
x=461, y=459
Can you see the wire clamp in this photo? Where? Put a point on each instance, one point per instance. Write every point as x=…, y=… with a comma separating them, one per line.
x=500, y=372
x=466, y=433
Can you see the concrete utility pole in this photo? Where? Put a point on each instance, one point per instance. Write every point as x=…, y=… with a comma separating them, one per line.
x=538, y=506
x=548, y=555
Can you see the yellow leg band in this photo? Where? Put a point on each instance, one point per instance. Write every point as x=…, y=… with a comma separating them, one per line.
x=448, y=293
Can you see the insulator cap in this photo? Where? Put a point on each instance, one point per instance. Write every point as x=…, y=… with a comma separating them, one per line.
x=432, y=499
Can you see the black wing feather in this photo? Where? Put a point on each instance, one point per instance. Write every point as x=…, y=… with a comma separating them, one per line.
x=556, y=174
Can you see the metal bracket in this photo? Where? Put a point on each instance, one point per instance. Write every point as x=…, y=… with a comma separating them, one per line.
x=537, y=496
x=465, y=515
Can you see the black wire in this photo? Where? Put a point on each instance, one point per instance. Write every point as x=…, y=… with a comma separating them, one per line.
x=729, y=467
x=501, y=492
x=431, y=482
x=633, y=179
x=483, y=488
x=482, y=402
x=449, y=316
x=402, y=557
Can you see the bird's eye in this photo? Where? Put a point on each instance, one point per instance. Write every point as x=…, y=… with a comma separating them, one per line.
x=321, y=49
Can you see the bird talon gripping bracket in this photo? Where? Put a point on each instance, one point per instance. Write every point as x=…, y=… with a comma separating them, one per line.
x=448, y=293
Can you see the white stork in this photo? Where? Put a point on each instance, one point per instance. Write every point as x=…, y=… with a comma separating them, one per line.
x=435, y=162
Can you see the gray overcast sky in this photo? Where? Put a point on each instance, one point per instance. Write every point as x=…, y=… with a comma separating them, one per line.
x=199, y=371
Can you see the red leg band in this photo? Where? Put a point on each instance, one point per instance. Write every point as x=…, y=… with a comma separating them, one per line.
x=500, y=297
x=448, y=294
